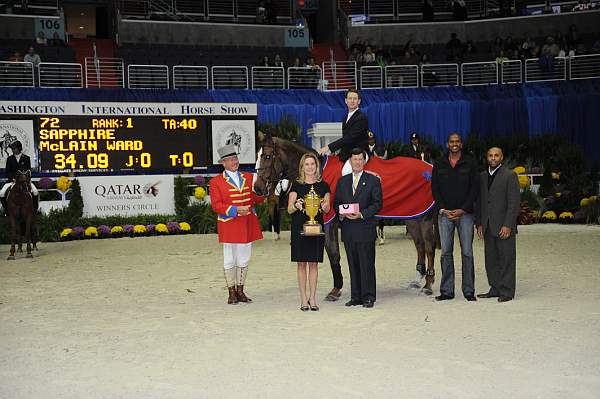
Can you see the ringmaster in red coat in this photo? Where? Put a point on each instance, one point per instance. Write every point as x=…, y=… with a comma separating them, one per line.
x=233, y=200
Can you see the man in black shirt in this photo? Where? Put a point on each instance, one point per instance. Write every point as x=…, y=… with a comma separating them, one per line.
x=455, y=187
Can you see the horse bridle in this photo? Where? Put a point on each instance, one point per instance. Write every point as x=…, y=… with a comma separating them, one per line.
x=272, y=170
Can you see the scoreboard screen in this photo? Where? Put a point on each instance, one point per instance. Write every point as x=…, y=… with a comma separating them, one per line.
x=83, y=143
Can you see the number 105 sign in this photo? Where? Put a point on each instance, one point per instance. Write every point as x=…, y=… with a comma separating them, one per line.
x=296, y=37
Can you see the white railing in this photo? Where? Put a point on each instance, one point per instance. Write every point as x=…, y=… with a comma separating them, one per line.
x=190, y=77
x=190, y=7
x=54, y=74
x=540, y=70
x=104, y=72
x=303, y=77
x=584, y=67
x=479, y=73
x=339, y=75
x=397, y=76
x=371, y=77
x=221, y=8
x=268, y=78
x=147, y=76
x=229, y=77
x=511, y=71
x=16, y=74
x=439, y=75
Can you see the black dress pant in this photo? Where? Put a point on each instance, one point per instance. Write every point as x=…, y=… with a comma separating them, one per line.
x=361, y=262
x=501, y=264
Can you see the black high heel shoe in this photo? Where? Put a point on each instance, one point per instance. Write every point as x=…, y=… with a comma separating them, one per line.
x=314, y=308
x=304, y=308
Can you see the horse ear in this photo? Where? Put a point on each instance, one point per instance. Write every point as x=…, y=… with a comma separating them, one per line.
x=261, y=136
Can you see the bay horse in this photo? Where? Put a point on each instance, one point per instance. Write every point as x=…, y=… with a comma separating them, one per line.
x=279, y=159
x=20, y=212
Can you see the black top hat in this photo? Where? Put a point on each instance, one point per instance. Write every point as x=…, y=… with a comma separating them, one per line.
x=415, y=136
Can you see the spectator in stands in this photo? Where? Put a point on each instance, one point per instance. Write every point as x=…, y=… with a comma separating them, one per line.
x=380, y=60
x=573, y=38
x=356, y=56
x=497, y=45
x=264, y=61
x=528, y=46
x=549, y=53
x=581, y=50
x=509, y=45
x=16, y=57
x=277, y=62
x=535, y=52
x=56, y=40
x=454, y=48
x=459, y=10
x=32, y=57
x=312, y=75
x=428, y=11
x=358, y=44
x=410, y=56
x=261, y=13
x=566, y=52
x=369, y=56
x=41, y=39
x=516, y=55
x=502, y=58
x=469, y=51
x=297, y=63
x=429, y=77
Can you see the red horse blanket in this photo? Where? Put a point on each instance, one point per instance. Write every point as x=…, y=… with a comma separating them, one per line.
x=406, y=185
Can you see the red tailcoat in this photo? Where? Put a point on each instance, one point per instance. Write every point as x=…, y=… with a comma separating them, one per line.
x=225, y=197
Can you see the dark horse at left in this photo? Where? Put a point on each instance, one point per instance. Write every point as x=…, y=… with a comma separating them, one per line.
x=20, y=212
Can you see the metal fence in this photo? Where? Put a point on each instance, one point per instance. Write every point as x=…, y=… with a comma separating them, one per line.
x=190, y=77
x=397, y=76
x=371, y=77
x=584, y=67
x=303, y=77
x=229, y=77
x=16, y=74
x=55, y=74
x=511, y=71
x=439, y=75
x=104, y=72
x=268, y=78
x=147, y=76
x=479, y=73
x=339, y=75
x=545, y=69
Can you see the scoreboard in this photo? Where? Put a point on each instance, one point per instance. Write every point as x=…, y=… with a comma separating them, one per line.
x=100, y=137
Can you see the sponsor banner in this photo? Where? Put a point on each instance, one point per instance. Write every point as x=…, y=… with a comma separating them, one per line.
x=144, y=109
x=17, y=130
x=240, y=133
x=127, y=195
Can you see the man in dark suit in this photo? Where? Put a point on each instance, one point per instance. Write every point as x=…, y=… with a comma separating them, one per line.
x=358, y=229
x=17, y=161
x=497, y=212
x=354, y=131
x=416, y=150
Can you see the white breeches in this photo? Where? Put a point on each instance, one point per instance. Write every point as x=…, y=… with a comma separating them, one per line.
x=347, y=169
x=236, y=255
x=5, y=188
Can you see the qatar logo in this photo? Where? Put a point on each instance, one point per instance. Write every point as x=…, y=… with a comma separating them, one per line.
x=151, y=189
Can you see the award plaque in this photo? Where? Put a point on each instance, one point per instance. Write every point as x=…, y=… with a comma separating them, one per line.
x=312, y=207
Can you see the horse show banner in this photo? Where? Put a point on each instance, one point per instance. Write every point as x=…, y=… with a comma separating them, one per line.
x=127, y=195
x=240, y=133
x=13, y=130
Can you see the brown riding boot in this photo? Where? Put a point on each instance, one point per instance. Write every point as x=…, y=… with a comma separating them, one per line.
x=241, y=296
x=233, y=299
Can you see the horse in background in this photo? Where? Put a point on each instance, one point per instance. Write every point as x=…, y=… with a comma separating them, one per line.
x=20, y=212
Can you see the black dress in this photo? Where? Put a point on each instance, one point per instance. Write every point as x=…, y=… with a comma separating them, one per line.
x=307, y=248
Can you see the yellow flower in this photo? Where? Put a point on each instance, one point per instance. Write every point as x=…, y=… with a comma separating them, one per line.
x=116, y=229
x=63, y=183
x=566, y=215
x=65, y=232
x=91, y=232
x=519, y=170
x=184, y=226
x=557, y=195
x=139, y=229
x=162, y=228
x=594, y=198
x=524, y=181
x=584, y=202
x=555, y=175
x=550, y=215
x=199, y=192
x=536, y=214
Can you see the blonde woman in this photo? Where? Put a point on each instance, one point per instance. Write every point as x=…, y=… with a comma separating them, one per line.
x=307, y=250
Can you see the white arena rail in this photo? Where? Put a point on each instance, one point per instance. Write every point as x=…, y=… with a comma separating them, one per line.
x=339, y=75
x=56, y=74
x=439, y=75
x=303, y=77
x=584, y=67
x=268, y=77
x=16, y=74
x=479, y=73
x=535, y=73
x=147, y=76
x=511, y=72
x=397, y=76
x=371, y=77
x=190, y=77
x=104, y=72
x=229, y=77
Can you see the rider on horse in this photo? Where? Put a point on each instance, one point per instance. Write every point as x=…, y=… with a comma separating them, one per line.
x=17, y=161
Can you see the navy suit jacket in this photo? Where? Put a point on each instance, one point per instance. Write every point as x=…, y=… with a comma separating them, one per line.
x=354, y=134
x=24, y=164
x=369, y=198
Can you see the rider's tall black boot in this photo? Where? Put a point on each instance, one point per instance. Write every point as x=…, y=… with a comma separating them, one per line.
x=36, y=203
x=4, y=205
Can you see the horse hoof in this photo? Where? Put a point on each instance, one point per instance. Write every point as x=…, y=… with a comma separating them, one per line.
x=11, y=257
x=29, y=256
x=414, y=285
x=426, y=291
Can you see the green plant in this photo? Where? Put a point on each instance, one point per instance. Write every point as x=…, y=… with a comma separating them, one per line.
x=76, y=203
x=182, y=199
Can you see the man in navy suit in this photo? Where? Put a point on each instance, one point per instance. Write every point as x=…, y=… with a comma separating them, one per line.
x=359, y=229
x=14, y=163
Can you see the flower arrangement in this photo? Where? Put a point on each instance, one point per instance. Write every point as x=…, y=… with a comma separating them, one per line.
x=91, y=232
x=519, y=170
x=199, y=180
x=566, y=217
x=65, y=234
x=63, y=183
x=555, y=175
x=139, y=230
x=128, y=230
x=161, y=228
x=185, y=227
x=150, y=229
x=584, y=202
x=77, y=232
x=199, y=192
x=46, y=183
x=103, y=231
x=593, y=199
x=173, y=227
x=558, y=194
x=548, y=216
x=116, y=231
x=524, y=181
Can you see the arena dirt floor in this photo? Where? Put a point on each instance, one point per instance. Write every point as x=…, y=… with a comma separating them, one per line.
x=147, y=318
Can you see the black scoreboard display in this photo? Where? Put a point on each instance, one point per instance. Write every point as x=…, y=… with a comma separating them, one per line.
x=121, y=142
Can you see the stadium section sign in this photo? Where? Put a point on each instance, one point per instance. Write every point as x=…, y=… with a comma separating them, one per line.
x=127, y=195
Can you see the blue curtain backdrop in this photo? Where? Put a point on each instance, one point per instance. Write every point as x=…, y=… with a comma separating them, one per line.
x=571, y=109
